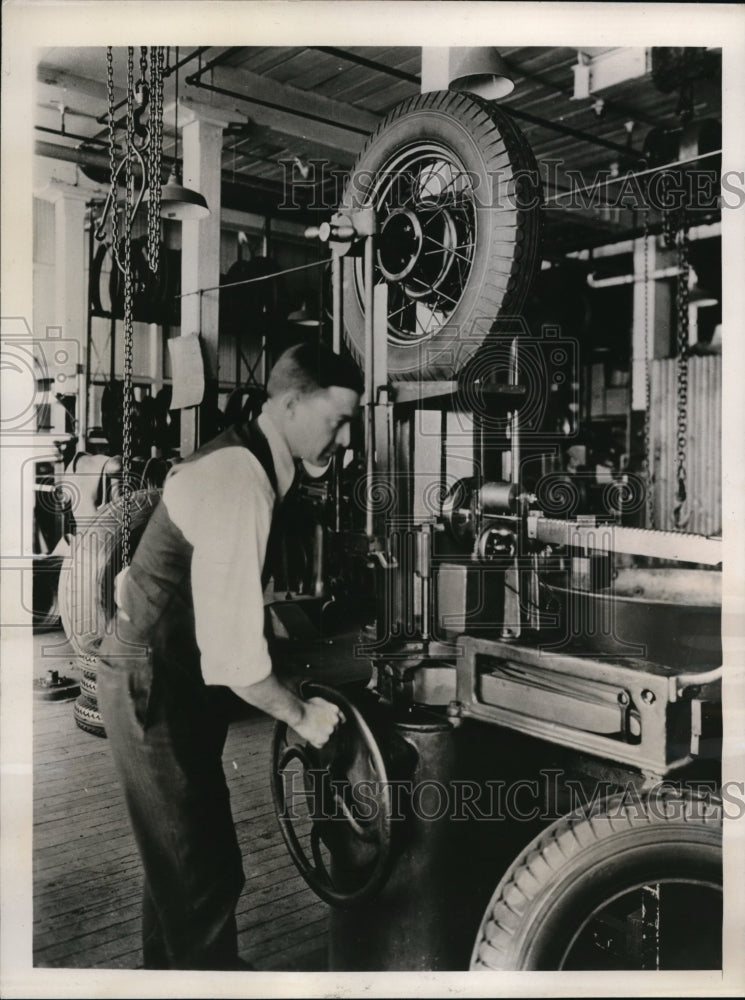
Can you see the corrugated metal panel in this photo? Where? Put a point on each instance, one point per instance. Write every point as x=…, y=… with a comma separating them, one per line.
x=704, y=443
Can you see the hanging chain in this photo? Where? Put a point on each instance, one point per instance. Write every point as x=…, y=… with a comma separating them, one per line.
x=648, y=466
x=682, y=300
x=155, y=156
x=128, y=303
x=676, y=236
x=112, y=154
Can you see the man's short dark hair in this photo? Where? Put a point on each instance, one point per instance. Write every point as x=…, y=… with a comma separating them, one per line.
x=306, y=368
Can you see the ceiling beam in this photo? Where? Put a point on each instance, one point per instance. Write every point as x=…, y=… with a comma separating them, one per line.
x=289, y=110
x=79, y=85
x=309, y=148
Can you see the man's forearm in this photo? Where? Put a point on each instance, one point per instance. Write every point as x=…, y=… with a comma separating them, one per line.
x=272, y=697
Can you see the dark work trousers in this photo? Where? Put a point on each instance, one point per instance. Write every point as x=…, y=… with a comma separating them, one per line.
x=167, y=730
x=169, y=762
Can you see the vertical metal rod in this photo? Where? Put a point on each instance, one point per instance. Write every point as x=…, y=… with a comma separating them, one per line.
x=84, y=382
x=514, y=419
x=336, y=317
x=425, y=571
x=318, y=561
x=336, y=301
x=266, y=247
x=369, y=382
x=112, y=346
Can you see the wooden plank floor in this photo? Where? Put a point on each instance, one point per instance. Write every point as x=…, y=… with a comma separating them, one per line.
x=87, y=875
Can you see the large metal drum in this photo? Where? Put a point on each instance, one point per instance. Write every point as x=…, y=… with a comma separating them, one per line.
x=668, y=616
x=405, y=926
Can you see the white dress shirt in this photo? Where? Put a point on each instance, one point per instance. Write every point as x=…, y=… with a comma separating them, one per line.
x=223, y=504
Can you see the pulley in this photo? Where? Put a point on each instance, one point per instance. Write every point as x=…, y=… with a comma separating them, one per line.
x=468, y=502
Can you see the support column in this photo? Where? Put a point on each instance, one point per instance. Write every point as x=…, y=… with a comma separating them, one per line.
x=70, y=261
x=200, y=246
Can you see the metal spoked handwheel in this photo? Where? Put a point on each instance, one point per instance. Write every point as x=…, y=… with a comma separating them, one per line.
x=456, y=195
x=335, y=816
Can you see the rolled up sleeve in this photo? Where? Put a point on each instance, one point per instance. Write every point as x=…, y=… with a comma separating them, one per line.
x=223, y=504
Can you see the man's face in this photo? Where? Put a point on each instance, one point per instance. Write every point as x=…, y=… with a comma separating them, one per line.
x=319, y=423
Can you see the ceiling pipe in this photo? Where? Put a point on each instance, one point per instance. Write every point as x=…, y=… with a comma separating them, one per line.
x=83, y=157
x=72, y=135
x=575, y=133
x=217, y=61
x=368, y=63
x=258, y=195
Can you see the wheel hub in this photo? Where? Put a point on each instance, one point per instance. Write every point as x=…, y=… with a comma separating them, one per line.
x=415, y=248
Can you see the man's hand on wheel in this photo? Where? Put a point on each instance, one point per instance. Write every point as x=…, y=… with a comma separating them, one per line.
x=320, y=719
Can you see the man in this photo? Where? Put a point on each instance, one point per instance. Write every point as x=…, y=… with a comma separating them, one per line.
x=189, y=626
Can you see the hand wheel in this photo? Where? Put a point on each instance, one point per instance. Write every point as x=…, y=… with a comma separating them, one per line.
x=346, y=794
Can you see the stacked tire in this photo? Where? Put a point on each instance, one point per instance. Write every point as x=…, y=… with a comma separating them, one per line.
x=86, y=592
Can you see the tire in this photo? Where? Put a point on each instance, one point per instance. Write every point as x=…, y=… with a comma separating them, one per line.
x=87, y=716
x=88, y=684
x=438, y=141
x=568, y=875
x=86, y=591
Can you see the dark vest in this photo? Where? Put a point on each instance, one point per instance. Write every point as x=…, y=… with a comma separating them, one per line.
x=156, y=591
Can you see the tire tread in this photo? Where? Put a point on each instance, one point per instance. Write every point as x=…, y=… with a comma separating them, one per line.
x=532, y=880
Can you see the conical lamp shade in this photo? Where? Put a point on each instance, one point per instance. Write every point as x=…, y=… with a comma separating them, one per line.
x=302, y=317
x=480, y=71
x=182, y=203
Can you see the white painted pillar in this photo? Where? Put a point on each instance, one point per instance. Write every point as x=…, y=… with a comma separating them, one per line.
x=70, y=295
x=200, y=245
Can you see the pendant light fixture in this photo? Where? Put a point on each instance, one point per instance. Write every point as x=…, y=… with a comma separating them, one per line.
x=176, y=201
x=481, y=71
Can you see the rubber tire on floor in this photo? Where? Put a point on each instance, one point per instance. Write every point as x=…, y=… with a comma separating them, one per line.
x=490, y=146
x=585, y=859
x=87, y=716
x=88, y=683
x=86, y=596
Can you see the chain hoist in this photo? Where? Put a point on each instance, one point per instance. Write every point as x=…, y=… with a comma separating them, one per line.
x=155, y=156
x=676, y=236
x=111, y=200
x=682, y=303
x=128, y=326
x=142, y=149
x=146, y=147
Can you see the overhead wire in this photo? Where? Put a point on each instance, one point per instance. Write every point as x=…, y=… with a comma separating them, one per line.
x=250, y=281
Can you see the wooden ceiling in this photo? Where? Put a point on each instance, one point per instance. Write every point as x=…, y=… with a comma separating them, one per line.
x=320, y=103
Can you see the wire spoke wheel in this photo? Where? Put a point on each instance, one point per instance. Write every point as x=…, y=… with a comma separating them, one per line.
x=613, y=888
x=456, y=194
x=427, y=238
